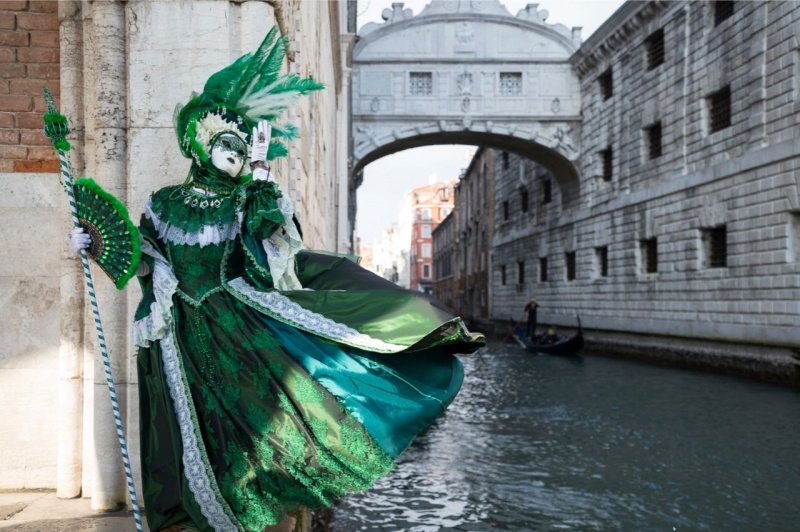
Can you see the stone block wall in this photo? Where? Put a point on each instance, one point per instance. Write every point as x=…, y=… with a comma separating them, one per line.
x=744, y=177
x=29, y=60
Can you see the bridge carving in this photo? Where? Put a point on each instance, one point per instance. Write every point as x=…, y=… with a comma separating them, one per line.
x=467, y=72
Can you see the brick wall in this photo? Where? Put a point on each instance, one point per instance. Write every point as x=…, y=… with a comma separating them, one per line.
x=29, y=60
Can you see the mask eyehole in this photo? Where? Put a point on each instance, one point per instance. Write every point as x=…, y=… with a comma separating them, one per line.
x=226, y=143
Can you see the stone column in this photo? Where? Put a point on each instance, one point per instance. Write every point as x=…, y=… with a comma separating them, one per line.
x=107, y=94
x=70, y=403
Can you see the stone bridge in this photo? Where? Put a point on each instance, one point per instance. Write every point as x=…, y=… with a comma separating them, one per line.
x=467, y=72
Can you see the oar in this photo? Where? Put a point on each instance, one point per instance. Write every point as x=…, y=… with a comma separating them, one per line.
x=514, y=328
x=56, y=130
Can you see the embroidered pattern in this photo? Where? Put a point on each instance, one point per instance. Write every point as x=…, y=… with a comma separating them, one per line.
x=285, y=310
x=207, y=235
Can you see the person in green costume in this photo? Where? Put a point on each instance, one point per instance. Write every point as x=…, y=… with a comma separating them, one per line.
x=271, y=376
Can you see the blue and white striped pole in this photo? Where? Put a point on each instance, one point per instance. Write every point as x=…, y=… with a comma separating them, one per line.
x=67, y=177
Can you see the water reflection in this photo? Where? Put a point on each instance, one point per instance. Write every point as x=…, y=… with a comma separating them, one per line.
x=541, y=443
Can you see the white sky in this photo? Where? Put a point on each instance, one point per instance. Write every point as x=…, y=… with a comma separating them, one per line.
x=387, y=180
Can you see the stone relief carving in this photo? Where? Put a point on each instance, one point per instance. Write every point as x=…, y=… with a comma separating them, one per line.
x=464, y=83
x=465, y=33
x=375, y=105
x=555, y=106
x=465, y=103
x=563, y=138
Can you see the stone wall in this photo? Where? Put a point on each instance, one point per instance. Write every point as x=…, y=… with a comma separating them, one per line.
x=124, y=66
x=744, y=177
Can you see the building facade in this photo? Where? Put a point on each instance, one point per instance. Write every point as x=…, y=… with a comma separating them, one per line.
x=685, y=226
x=430, y=205
x=118, y=70
x=445, y=248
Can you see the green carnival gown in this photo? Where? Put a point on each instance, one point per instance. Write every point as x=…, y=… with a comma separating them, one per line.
x=256, y=400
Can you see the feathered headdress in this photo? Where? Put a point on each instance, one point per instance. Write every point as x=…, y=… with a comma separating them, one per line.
x=239, y=96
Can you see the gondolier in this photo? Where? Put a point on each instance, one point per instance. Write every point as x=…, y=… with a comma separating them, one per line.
x=530, y=310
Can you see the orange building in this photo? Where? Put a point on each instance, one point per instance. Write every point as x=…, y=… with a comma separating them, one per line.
x=430, y=205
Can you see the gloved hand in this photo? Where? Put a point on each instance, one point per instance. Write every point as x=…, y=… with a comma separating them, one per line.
x=258, y=152
x=78, y=240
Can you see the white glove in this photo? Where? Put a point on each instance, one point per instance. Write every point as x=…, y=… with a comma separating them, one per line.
x=78, y=240
x=259, y=143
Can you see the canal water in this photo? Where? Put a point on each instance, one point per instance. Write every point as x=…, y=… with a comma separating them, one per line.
x=541, y=443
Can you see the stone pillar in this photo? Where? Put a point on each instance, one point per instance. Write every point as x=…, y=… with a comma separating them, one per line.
x=107, y=94
x=70, y=403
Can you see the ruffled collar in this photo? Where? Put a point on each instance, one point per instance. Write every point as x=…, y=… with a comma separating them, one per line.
x=208, y=177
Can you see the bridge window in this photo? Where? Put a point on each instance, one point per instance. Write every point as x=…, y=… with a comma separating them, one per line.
x=655, y=49
x=719, y=107
x=608, y=164
x=510, y=83
x=653, y=134
x=524, y=200
x=548, y=192
x=606, y=81
x=421, y=83
x=723, y=10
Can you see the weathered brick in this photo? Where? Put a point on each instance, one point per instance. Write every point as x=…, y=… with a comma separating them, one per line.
x=7, y=19
x=51, y=71
x=37, y=55
x=13, y=152
x=44, y=167
x=44, y=39
x=6, y=119
x=14, y=38
x=37, y=21
x=15, y=103
x=43, y=6
x=41, y=154
x=4, y=86
x=9, y=136
x=14, y=5
x=8, y=55
x=33, y=86
x=6, y=165
x=29, y=120
x=40, y=105
x=33, y=137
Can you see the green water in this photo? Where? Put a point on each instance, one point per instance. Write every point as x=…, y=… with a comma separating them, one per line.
x=541, y=443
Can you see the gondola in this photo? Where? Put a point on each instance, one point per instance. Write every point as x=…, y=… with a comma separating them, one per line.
x=564, y=346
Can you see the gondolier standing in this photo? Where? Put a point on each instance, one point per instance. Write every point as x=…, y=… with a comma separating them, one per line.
x=530, y=310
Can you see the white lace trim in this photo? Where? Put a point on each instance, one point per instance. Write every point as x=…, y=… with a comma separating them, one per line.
x=282, y=247
x=283, y=309
x=200, y=483
x=205, y=236
x=157, y=326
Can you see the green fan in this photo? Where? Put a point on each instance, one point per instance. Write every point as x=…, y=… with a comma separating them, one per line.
x=115, y=240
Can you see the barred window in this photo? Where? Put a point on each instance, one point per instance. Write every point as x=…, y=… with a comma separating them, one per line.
x=608, y=164
x=547, y=193
x=606, y=81
x=524, y=200
x=543, y=270
x=521, y=272
x=505, y=160
x=570, y=260
x=723, y=10
x=426, y=271
x=655, y=49
x=653, y=134
x=649, y=249
x=503, y=274
x=510, y=83
x=421, y=83
x=505, y=210
x=601, y=254
x=716, y=246
x=719, y=109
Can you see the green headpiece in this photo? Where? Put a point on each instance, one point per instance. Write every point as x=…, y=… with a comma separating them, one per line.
x=239, y=96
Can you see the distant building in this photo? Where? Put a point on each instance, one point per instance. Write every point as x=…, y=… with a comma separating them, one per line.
x=366, y=255
x=389, y=257
x=445, y=261
x=430, y=205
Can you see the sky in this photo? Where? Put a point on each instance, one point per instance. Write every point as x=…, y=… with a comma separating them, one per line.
x=388, y=179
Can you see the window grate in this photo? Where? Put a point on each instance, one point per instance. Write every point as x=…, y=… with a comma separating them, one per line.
x=505, y=211
x=505, y=160
x=650, y=255
x=608, y=164
x=654, y=140
x=548, y=192
x=510, y=83
x=543, y=269
x=718, y=247
x=606, y=81
x=521, y=272
x=723, y=10
x=655, y=49
x=570, y=259
x=719, y=105
x=421, y=83
x=524, y=200
x=503, y=274
x=602, y=260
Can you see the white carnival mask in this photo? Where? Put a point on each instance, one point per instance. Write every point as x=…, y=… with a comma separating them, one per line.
x=228, y=153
